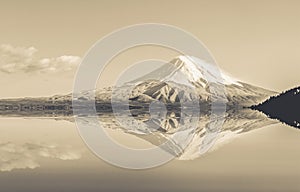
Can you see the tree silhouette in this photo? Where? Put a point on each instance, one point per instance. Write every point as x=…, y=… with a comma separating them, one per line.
x=284, y=107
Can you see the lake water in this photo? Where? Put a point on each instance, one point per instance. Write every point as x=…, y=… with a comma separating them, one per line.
x=49, y=155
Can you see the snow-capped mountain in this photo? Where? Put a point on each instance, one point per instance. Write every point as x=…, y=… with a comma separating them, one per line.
x=174, y=100
x=187, y=78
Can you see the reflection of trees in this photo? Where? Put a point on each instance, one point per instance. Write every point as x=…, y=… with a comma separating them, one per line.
x=284, y=107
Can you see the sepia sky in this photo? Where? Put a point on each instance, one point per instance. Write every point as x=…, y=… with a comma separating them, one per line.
x=254, y=41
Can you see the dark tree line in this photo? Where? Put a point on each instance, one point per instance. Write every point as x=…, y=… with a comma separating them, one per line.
x=284, y=107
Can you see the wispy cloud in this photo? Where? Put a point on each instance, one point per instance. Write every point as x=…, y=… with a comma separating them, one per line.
x=23, y=59
x=25, y=156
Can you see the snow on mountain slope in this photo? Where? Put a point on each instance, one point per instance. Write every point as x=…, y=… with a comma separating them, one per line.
x=184, y=77
x=199, y=69
x=191, y=76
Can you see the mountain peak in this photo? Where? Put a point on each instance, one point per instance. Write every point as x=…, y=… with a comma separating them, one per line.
x=200, y=71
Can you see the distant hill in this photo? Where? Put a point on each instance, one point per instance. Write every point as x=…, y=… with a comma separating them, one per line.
x=284, y=107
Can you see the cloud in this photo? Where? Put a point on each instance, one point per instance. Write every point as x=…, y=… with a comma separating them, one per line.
x=25, y=156
x=23, y=59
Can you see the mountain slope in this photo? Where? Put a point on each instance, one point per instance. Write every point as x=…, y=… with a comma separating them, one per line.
x=189, y=77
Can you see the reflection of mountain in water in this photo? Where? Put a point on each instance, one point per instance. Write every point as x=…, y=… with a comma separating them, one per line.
x=235, y=123
x=161, y=104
